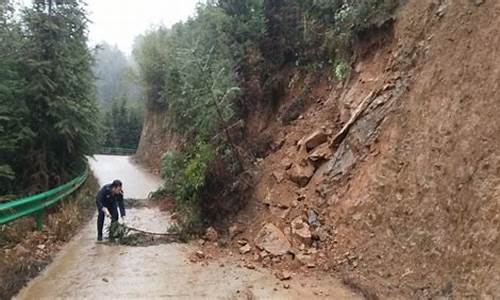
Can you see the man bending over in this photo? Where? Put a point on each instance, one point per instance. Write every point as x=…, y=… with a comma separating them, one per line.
x=108, y=200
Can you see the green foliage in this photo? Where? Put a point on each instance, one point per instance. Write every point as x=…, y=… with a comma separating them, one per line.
x=204, y=71
x=122, y=125
x=185, y=178
x=308, y=31
x=172, y=165
x=47, y=105
x=341, y=69
x=189, y=70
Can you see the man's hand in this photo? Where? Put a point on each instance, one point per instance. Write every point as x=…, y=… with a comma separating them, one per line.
x=106, y=212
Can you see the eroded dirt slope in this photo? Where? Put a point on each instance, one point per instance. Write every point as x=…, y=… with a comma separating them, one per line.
x=406, y=202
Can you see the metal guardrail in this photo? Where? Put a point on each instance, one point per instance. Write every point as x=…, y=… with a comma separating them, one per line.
x=117, y=151
x=36, y=204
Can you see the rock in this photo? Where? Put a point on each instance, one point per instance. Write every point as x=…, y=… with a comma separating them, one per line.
x=200, y=254
x=20, y=251
x=478, y=2
x=234, y=231
x=287, y=164
x=300, y=230
x=249, y=266
x=278, y=176
x=271, y=239
x=245, y=249
x=242, y=242
x=441, y=11
x=342, y=161
x=321, y=153
x=105, y=280
x=41, y=247
x=301, y=174
x=320, y=234
x=280, y=212
x=284, y=275
x=314, y=140
x=312, y=218
x=305, y=259
x=286, y=286
x=211, y=234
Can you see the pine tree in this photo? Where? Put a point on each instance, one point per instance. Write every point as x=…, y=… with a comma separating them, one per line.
x=47, y=105
x=13, y=130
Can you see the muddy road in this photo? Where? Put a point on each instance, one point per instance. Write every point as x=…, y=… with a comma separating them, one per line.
x=85, y=269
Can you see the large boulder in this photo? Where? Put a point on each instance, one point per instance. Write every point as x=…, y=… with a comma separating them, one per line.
x=301, y=173
x=272, y=240
x=314, y=140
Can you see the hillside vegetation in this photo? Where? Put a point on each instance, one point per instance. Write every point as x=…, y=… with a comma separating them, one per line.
x=224, y=64
x=361, y=134
x=47, y=103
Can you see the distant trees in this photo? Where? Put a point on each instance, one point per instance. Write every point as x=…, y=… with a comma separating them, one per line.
x=119, y=97
x=115, y=76
x=47, y=99
x=122, y=125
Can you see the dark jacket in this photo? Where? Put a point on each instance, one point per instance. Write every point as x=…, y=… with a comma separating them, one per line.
x=105, y=198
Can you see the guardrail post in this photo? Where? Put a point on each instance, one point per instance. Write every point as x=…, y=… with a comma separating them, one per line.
x=39, y=221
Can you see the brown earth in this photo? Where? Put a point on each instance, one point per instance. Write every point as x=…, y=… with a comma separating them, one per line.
x=157, y=136
x=404, y=201
x=24, y=253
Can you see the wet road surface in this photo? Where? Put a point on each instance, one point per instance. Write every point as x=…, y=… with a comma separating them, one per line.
x=87, y=270
x=137, y=182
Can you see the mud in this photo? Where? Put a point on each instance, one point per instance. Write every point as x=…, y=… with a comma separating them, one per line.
x=85, y=269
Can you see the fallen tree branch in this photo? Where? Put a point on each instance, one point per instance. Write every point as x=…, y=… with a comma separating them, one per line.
x=151, y=233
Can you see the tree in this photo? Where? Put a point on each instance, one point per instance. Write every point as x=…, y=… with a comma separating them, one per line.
x=47, y=105
x=114, y=76
x=123, y=124
x=13, y=131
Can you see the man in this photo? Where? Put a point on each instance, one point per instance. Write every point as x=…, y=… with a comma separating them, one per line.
x=108, y=200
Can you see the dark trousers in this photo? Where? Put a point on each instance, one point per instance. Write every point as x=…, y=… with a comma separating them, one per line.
x=113, y=210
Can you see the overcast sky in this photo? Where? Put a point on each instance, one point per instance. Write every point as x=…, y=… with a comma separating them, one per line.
x=118, y=22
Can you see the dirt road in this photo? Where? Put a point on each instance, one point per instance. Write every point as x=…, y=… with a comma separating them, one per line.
x=84, y=269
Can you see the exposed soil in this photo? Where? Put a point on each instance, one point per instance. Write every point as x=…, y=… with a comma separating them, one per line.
x=402, y=200
x=156, y=137
x=406, y=201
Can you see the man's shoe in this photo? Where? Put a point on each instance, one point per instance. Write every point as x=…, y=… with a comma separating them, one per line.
x=99, y=238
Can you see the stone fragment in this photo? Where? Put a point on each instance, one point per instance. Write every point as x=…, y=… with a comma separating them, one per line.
x=301, y=174
x=301, y=231
x=271, y=239
x=245, y=249
x=313, y=140
x=284, y=275
x=211, y=234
